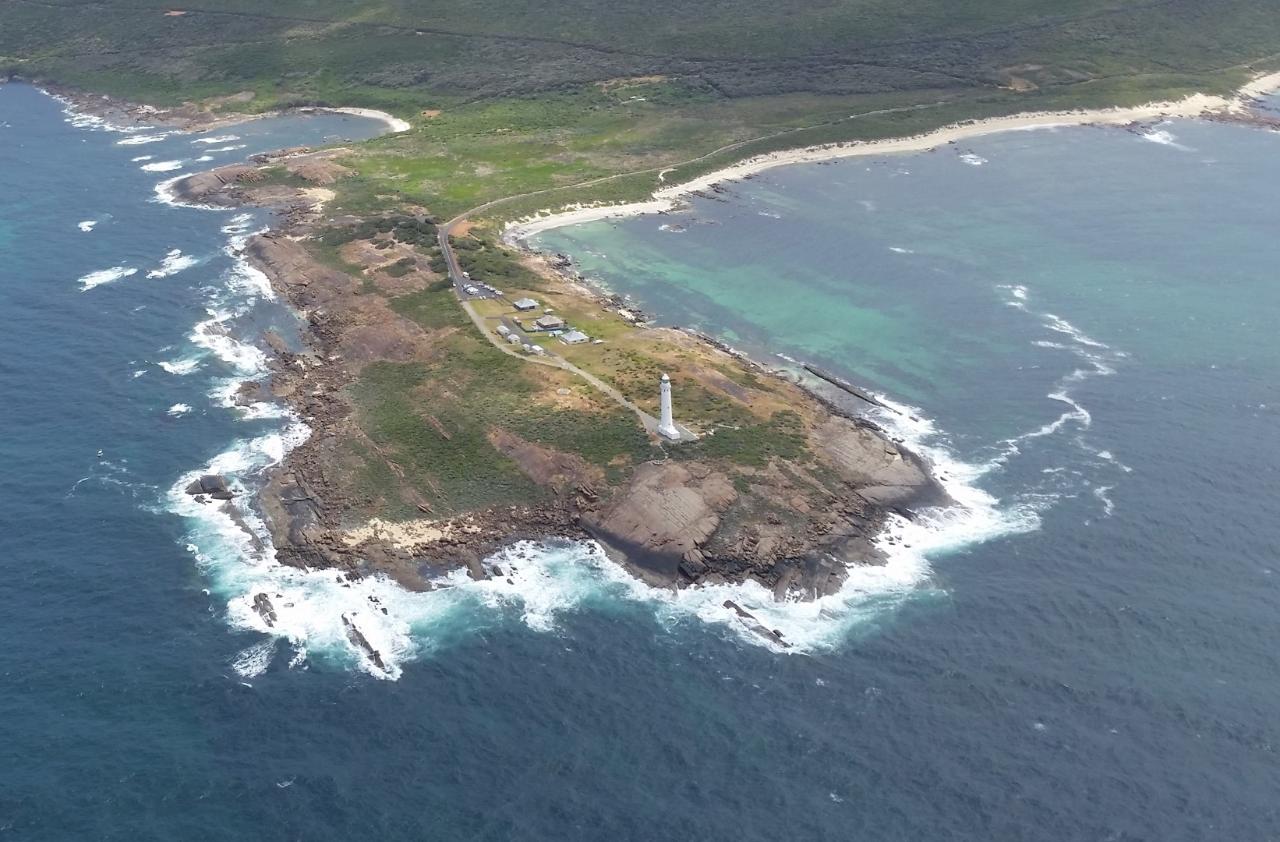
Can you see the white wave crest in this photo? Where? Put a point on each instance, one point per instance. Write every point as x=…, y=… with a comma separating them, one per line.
x=214, y=335
x=1165, y=138
x=973, y=159
x=87, y=226
x=1108, y=506
x=163, y=166
x=105, y=276
x=181, y=367
x=139, y=140
x=141, y=158
x=226, y=138
x=232, y=148
x=252, y=661
x=178, y=410
x=174, y=262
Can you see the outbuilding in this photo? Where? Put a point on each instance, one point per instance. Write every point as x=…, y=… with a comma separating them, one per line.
x=525, y=304
x=549, y=323
x=574, y=337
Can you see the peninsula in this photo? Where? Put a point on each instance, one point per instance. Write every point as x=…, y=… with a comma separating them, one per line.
x=464, y=392
x=463, y=396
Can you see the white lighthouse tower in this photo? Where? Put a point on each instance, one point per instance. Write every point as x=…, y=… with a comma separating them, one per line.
x=666, y=424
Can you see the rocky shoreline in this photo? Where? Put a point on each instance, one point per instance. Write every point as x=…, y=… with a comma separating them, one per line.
x=672, y=523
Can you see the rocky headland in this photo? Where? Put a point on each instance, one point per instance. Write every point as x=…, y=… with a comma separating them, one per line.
x=783, y=485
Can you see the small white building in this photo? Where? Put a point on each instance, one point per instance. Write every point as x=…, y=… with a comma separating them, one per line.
x=574, y=337
x=538, y=350
x=514, y=339
x=525, y=304
x=549, y=323
x=503, y=330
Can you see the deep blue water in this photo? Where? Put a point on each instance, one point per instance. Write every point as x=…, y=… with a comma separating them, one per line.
x=1096, y=677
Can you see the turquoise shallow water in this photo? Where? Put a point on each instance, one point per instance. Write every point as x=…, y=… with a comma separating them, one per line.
x=1092, y=673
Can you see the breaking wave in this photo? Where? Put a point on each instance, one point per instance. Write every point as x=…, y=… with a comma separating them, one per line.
x=1165, y=138
x=1093, y=359
x=105, y=276
x=163, y=166
x=139, y=140
x=174, y=262
x=180, y=367
x=226, y=138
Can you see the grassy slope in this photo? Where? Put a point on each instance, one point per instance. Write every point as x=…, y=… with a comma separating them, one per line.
x=524, y=92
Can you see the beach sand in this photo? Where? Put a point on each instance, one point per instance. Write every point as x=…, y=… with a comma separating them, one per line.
x=668, y=198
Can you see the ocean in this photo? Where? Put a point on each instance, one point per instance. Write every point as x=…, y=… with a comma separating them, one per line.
x=1077, y=326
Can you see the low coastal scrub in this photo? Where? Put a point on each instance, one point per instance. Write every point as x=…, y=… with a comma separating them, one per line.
x=781, y=437
x=402, y=229
x=490, y=263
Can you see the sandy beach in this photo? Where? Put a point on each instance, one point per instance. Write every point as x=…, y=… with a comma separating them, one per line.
x=668, y=198
x=394, y=124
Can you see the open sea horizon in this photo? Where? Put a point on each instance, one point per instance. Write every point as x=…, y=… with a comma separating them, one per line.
x=1078, y=326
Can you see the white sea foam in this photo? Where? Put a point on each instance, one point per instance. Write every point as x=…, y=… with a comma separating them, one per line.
x=105, y=276
x=252, y=661
x=204, y=159
x=141, y=158
x=973, y=159
x=901, y=250
x=226, y=138
x=178, y=410
x=214, y=335
x=174, y=262
x=228, y=148
x=139, y=140
x=1017, y=295
x=87, y=225
x=181, y=367
x=1099, y=361
x=165, y=195
x=1061, y=325
x=1108, y=506
x=163, y=166
x=1165, y=138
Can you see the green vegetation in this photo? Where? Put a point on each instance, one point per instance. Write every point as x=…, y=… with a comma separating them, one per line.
x=507, y=99
x=486, y=261
x=516, y=107
x=403, y=229
x=433, y=420
x=753, y=444
x=454, y=464
x=434, y=307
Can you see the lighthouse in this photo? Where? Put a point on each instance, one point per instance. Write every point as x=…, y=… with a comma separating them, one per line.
x=666, y=424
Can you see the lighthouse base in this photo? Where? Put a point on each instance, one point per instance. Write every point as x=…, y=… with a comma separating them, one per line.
x=669, y=431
